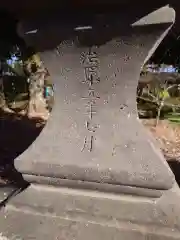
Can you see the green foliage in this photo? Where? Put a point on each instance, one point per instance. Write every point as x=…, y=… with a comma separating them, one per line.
x=156, y=99
x=163, y=94
x=17, y=75
x=173, y=117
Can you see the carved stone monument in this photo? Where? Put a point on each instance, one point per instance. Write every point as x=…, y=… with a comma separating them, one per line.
x=95, y=172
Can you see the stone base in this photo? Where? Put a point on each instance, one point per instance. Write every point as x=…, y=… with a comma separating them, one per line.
x=46, y=213
x=94, y=171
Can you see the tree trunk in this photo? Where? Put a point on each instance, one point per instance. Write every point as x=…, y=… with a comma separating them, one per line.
x=2, y=96
x=37, y=102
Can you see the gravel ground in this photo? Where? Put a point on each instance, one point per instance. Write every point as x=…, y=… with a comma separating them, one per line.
x=168, y=137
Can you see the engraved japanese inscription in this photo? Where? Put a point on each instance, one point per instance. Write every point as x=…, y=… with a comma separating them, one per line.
x=90, y=63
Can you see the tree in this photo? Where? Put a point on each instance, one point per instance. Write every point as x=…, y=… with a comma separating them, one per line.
x=27, y=65
x=37, y=76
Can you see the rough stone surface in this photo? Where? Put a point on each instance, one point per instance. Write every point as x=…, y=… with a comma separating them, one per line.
x=93, y=142
x=73, y=214
x=94, y=134
x=46, y=227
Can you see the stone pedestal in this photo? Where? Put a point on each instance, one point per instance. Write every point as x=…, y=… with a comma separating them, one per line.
x=94, y=135
x=103, y=176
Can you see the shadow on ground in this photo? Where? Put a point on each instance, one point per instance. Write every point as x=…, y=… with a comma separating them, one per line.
x=175, y=167
x=17, y=133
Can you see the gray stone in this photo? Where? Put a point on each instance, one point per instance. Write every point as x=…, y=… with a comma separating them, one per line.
x=95, y=172
x=63, y=213
x=94, y=134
